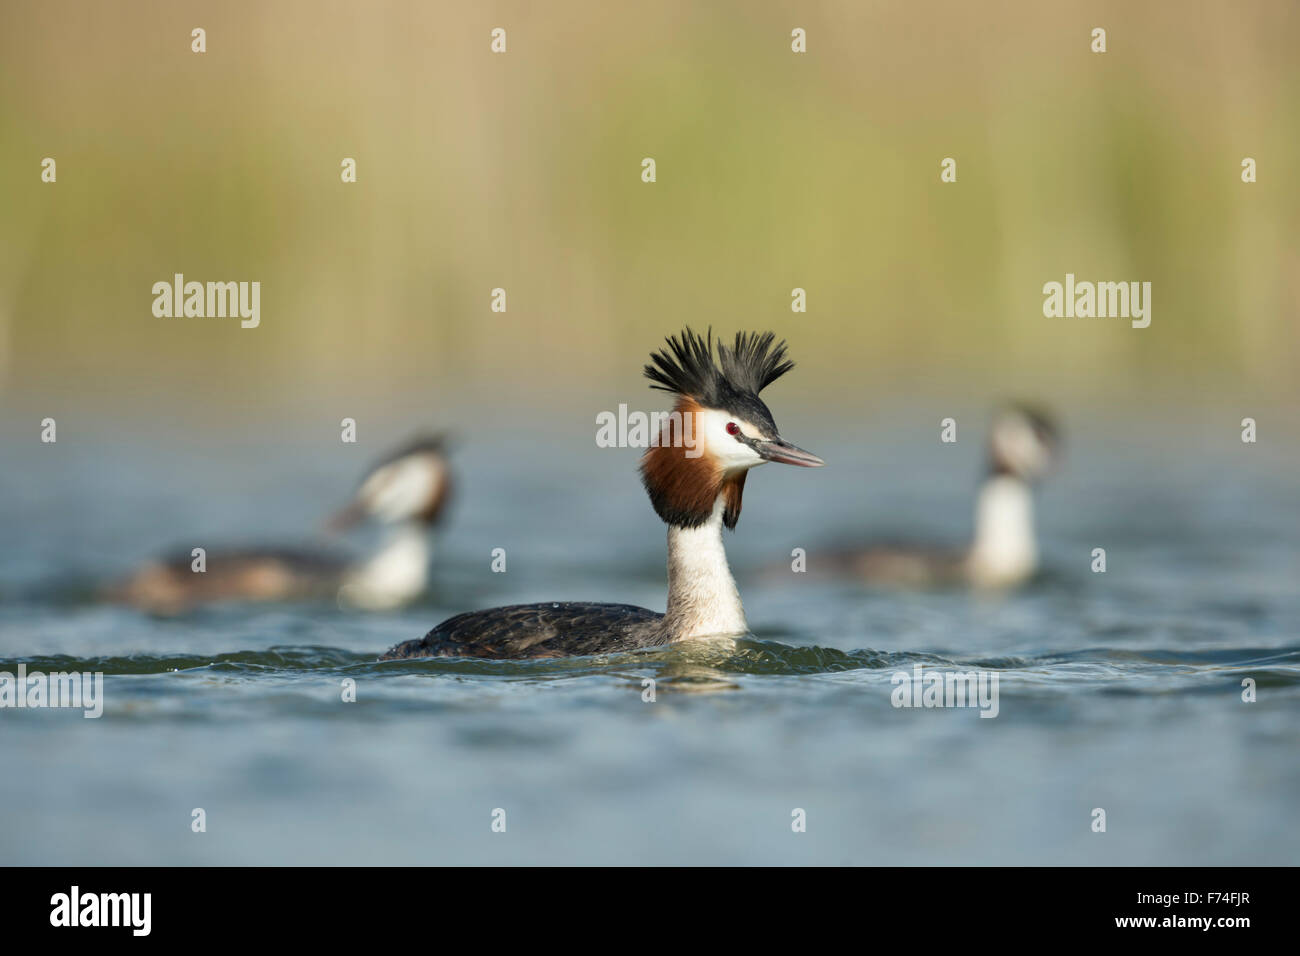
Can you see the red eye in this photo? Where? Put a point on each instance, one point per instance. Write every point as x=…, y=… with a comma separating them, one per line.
x=733, y=428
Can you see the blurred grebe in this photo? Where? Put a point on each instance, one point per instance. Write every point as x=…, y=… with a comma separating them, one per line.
x=695, y=476
x=1023, y=446
x=405, y=491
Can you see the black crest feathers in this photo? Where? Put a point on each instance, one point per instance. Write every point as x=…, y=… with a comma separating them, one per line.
x=754, y=362
x=688, y=367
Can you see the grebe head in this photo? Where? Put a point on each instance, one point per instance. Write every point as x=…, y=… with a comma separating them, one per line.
x=719, y=429
x=410, y=484
x=1023, y=442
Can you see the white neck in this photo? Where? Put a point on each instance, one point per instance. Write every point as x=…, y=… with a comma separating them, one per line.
x=397, y=573
x=1005, y=551
x=702, y=596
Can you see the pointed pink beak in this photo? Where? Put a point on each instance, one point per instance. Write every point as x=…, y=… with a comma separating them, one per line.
x=782, y=452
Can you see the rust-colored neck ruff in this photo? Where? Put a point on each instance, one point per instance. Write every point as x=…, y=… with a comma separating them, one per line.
x=685, y=482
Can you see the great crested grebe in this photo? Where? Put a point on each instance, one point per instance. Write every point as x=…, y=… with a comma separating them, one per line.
x=405, y=491
x=1023, y=446
x=695, y=477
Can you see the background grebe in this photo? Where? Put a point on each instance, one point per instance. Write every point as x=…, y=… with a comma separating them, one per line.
x=695, y=494
x=1023, y=446
x=406, y=491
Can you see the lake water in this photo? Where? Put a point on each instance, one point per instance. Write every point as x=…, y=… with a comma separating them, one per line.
x=1119, y=691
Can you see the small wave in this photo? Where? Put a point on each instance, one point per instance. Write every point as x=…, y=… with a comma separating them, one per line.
x=747, y=657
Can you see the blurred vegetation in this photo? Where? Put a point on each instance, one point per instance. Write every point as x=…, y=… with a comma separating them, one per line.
x=522, y=171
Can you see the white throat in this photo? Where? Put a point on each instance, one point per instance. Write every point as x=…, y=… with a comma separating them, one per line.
x=396, y=574
x=702, y=596
x=1005, y=551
